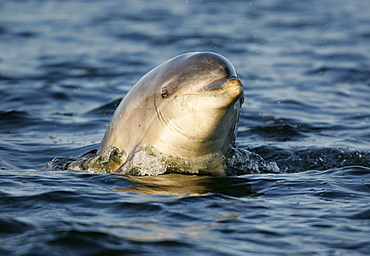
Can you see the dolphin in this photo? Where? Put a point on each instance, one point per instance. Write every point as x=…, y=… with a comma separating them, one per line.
x=181, y=117
x=187, y=107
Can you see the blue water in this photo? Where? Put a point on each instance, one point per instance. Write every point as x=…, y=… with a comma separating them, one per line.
x=305, y=66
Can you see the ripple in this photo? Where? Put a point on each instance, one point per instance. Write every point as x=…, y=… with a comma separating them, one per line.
x=297, y=160
x=349, y=75
x=284, y=132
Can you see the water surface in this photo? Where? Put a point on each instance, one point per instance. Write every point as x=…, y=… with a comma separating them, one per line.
x=305, y=66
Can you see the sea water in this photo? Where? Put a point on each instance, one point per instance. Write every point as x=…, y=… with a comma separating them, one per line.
x=305, y=66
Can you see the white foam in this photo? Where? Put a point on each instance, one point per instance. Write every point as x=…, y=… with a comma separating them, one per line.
x=151, y=162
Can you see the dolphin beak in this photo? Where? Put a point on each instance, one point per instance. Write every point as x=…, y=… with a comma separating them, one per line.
x=225, y=91
x=232, y=85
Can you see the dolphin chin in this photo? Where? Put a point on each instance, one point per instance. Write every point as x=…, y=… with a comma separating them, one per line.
x=185, y=108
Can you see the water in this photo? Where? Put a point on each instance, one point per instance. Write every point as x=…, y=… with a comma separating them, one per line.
x=305, y=68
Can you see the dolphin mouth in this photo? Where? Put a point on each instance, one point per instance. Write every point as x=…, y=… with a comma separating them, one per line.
x=222, y=85
x=231, y=85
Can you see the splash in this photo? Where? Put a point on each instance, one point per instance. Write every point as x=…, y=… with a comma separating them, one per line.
x=241, y=161
x=151, y=162
x=107, y=162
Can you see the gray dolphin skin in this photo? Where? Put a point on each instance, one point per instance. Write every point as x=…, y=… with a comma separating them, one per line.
x=187, y=107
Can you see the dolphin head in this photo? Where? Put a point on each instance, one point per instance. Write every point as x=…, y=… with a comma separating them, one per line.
x=187, y=107
x=197, y=101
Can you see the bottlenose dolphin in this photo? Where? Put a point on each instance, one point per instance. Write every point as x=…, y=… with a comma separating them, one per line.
x=187, y=108
x=181, y=117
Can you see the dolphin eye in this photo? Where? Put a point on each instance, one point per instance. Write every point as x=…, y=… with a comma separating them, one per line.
x=164, y=94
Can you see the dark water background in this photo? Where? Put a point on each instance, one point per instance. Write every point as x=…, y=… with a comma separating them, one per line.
x=305, y=66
